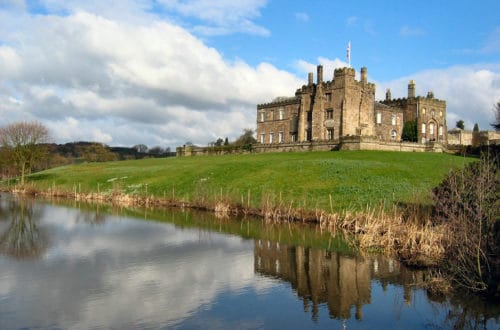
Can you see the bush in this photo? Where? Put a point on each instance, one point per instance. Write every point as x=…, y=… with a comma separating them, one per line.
x=468, y=200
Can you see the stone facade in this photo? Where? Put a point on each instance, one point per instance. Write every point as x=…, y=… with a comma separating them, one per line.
x=345, y=107
x=461, y=137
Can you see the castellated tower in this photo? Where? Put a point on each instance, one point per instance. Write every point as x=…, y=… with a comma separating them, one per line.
x=330, y=111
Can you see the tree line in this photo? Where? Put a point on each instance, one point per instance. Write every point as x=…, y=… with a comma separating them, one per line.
x=26, y=147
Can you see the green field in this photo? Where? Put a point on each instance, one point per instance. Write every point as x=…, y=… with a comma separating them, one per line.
x=334, y=181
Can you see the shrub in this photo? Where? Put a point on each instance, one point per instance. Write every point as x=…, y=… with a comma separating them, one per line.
x=467, y=200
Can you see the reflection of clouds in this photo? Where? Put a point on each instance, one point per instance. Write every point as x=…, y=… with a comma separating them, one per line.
x=122, y=272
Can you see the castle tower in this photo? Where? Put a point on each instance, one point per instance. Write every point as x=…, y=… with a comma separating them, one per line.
x=388, y=96
x=310, y=78
x=411, y=89
x=320, y=74
x=363, y=75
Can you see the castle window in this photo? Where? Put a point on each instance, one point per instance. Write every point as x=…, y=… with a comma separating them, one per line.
x=423, y=111
x=271, y=137
x=262, y=138
x=423, y=128
x=431, y=128
x=394, y=120
x=329, y=133
x=440, y=132
x=328, y=97
x=280, y=137
x=294, y=137
x=281, y=114
x=308, y=135
x=329, y=114
x=393, y=134
x=262, y=116
x=379, y=118
x=432, y=113
x=309, y=116
x=440, y=113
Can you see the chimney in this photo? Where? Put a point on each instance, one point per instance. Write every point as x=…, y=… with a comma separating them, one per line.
x=411, y=89
x=363, y=75
x=320, y=74
x=310, y=78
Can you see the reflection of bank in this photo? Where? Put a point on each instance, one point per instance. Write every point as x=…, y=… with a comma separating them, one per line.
x=320, y=276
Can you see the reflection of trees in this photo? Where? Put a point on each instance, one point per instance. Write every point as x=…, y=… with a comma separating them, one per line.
x=91, y=216
x=22, y=239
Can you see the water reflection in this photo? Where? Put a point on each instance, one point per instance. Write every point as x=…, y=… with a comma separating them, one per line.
x=325, y=277
x=23, y=238
x=105, y=268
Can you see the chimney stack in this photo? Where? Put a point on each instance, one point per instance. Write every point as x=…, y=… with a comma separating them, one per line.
x=363, y=75
x=310, y=78
x=411, y=89
x=320, y=74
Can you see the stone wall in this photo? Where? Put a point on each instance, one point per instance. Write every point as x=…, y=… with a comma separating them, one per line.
x=346, y=143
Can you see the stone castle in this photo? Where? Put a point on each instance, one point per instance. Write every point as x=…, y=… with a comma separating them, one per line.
x=343, y=112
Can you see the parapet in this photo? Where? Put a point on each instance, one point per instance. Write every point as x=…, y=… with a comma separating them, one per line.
x=344, y=72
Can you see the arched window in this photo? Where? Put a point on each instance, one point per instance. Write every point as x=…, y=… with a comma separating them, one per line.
x=431, y=128
x=440, y=132
x=394, y=134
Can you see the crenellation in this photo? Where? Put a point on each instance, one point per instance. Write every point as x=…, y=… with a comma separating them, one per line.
x=345, y=107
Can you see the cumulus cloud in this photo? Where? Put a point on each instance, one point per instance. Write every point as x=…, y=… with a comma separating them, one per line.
x=155, y=81
x=329, y=66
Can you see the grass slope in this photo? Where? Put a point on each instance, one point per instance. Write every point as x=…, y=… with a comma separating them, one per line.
x=334, y=181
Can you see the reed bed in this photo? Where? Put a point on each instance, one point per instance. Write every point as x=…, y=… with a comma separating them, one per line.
x=405, y=232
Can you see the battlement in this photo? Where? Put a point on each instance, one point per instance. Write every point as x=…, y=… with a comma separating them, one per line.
x=280, y=101
x=344, y=72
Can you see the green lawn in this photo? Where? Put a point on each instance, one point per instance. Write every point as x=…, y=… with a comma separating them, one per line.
x=349, y=179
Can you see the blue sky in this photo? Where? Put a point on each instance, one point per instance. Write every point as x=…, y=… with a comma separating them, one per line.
x=165, y=72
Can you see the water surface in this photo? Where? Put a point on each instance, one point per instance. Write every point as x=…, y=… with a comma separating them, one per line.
x=92, y=267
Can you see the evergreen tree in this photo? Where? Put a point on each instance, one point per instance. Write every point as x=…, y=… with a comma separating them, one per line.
x=410, y=132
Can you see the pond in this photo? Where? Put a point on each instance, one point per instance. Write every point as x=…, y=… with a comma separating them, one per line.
x=77, y=266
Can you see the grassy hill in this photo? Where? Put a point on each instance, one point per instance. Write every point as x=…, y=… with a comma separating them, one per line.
x=332, y=181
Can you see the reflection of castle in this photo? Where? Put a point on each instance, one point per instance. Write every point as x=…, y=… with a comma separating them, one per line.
x=344, y=108
x=319, y=276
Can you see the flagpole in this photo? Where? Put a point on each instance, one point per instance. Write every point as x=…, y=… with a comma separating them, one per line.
x=349, y=53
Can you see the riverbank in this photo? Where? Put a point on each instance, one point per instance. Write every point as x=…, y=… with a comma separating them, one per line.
x=380, y=199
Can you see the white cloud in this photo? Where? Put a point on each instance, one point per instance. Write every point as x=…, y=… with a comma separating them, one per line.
x=220, y=16
x=407, y=31
x=329, y=67
x=111, y=75
x=303, y=17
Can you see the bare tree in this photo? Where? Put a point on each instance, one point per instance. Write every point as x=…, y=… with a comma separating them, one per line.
x=24, y=142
